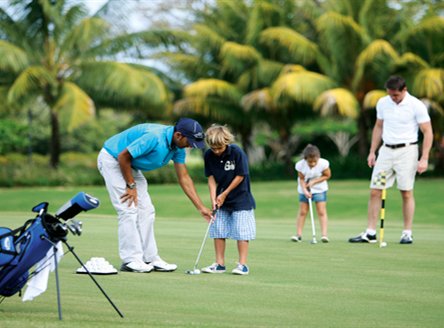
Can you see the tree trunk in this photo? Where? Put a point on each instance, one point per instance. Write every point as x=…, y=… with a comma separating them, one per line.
x=55, y=140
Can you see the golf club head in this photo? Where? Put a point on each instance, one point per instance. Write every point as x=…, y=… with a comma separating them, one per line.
x=193, y=272
x=314, y=241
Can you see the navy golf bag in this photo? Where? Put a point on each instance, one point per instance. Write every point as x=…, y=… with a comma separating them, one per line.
x=22, y=248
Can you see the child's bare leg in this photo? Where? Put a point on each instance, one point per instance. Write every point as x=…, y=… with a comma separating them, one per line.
x=321, y=209
x=302, y=214
x=219, y=246
x=242, y=247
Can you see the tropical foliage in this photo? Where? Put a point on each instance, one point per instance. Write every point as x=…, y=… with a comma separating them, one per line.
x=281, y=66
x=53, y=52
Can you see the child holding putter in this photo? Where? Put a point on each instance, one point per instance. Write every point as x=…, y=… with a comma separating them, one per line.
x=313, y=173
x=226, y=167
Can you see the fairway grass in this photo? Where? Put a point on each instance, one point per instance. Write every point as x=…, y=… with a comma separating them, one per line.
x=290, y=284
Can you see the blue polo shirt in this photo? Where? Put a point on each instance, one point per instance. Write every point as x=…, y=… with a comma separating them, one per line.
x=233, y=162
x=149, y=145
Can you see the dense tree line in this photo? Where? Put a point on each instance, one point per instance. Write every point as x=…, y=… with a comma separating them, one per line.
x=278, y=69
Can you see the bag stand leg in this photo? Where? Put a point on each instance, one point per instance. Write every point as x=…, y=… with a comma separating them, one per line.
x=71, y=249
x=59, y=304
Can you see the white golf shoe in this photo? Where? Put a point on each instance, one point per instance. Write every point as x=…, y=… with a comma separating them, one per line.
x=162, y=266
x=136, y=267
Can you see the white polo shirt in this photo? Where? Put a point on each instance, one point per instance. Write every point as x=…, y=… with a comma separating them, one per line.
x=313, y=173
x=401, y=121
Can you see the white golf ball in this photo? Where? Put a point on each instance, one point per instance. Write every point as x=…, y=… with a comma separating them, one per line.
x=383, y=244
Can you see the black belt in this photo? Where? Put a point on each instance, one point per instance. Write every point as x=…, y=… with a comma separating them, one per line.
x=401, y=145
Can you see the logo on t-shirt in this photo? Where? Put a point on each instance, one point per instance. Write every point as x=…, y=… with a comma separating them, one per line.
x=229, y=165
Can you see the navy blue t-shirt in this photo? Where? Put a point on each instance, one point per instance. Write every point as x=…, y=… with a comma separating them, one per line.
x=233, y=162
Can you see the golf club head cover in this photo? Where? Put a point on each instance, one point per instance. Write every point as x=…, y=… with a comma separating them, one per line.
x=80, y=202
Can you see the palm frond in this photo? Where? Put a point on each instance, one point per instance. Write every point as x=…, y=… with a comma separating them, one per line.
x=427, y=38
x=213, y=88
x=74, y=106
x=206, y=38
x=238, y=57
x=12, y=58
x=83, y=37
x=300, y=49
x=191, y=65
x=429, y=83
x=342, y=39
x=302, y=87
x=119, y=85
x=261, y=75
x=337, y=102
x=378, y=58
x=258, y=99
x=292, y=69
x=264, y=14
x=371, y=98
x=30, y=83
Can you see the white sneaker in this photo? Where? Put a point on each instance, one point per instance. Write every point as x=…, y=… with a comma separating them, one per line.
x=241, y=269
x=162, y=266
x=325, y=239
x=136, y=267
x=297, y=239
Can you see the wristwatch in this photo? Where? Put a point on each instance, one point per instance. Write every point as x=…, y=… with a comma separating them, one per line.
x=131, y=185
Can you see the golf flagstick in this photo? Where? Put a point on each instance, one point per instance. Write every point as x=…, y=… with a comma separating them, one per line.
x=382, y=181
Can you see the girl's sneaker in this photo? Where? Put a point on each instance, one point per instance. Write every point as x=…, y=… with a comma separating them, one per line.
x=296, y=239
x=241, y=269
x=214, y=268
x=325, y=239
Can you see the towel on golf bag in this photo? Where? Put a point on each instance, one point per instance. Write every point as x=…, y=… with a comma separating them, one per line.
x=39, y=282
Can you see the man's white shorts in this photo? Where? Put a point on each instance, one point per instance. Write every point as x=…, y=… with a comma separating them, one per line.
x=399, y=164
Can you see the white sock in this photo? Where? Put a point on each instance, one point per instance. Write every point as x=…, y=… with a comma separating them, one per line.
x=370, y=232
x=407, y=232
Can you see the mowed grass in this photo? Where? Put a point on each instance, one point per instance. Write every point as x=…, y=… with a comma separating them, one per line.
x=290, y=284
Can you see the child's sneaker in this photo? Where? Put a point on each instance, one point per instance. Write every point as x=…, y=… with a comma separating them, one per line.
x=240, y=269
x=214, y=268
x=296, y=239
x=325, y=239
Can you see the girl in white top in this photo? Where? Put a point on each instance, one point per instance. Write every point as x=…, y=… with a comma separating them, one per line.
x=313, y=173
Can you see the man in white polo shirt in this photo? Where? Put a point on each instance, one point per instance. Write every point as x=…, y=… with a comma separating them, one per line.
x=399, y=115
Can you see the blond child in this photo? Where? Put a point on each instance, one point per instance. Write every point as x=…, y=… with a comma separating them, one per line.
x=226, y=167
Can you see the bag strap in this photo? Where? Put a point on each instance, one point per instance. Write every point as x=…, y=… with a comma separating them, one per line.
x=13, y=233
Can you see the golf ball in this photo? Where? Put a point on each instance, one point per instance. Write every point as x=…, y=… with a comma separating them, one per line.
x=383, y=244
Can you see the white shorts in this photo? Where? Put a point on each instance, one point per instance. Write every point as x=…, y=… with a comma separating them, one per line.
x=399, y=163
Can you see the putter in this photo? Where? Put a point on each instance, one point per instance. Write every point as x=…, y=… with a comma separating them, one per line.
x=195, y=270
x=313, y=229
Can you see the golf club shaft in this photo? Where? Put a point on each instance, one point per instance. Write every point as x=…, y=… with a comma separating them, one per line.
x=310, y=205
x=203, y=244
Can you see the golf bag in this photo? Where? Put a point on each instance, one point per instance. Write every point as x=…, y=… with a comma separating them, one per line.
x=22, y=248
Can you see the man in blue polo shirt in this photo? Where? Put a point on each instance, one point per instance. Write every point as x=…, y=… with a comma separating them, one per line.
x=146, y=147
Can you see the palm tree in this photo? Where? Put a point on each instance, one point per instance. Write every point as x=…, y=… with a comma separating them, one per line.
x=57, y=53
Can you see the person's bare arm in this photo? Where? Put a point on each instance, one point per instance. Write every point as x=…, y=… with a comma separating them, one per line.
x=124, y=160
x=426, y=129
x=376, y=141
x=187, y=185
x=220, y=199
